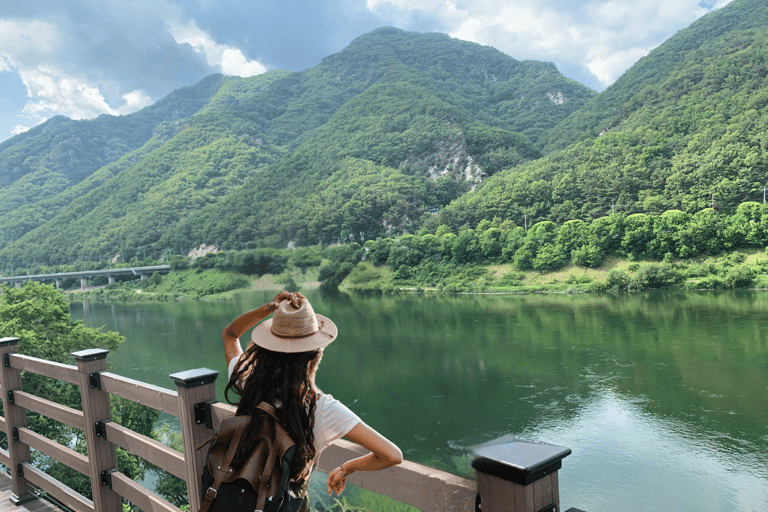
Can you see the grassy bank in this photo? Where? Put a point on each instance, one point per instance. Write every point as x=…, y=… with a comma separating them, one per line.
x=743, y=269
x=194, y=284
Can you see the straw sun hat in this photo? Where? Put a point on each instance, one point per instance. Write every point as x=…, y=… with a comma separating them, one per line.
x=294, y=330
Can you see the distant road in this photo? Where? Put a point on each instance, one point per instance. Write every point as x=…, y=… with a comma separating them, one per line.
x=85, y=274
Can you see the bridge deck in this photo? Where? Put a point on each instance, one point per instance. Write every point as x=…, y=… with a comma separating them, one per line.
x=38, y=505
x=89, y=273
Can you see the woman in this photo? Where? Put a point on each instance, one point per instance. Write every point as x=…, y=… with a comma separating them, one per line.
x=279, y=367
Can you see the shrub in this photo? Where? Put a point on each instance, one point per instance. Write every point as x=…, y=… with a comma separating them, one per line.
x=617, y=280
x=653, y=275
x=740, y=276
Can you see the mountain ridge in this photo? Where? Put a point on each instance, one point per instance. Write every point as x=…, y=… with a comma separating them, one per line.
x=238, y=129
x=399, y=125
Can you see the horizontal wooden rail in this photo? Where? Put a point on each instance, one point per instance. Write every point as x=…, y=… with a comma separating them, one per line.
x=139, y=495
x=425, y=488
x=219, y=411
x=148, y=449
x=45, y=368
x=71, y=458
x=56, y=489
x=157, y=398
x=58, y=412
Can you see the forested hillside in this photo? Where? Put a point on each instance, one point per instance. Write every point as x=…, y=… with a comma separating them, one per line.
x=362, y=145
x=693, y=137
x=611, y=107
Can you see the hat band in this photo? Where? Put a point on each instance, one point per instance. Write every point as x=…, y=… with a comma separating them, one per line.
x=300, y=336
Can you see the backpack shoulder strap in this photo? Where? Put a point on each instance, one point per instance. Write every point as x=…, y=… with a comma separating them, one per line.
x=210, y=493
x=269, y=409
x=275, y=457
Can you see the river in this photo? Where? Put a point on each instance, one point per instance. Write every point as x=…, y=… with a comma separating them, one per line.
x=662, y=397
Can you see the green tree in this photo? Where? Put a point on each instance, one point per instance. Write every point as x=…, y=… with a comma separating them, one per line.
x=671, y=235
x=747, y=226
x=572, y=235
x=467, y=247
x=638, y=234
x=491, y=243
x=706, y=232
x=39, y=316
x=542, y=234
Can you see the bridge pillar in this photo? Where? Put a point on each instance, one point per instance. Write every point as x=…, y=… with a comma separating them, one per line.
x=18, y=284
x=143, y=276
x=58, y=284
x=111, y=279
x=83, y=283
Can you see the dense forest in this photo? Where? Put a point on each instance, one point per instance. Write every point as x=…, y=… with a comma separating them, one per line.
x=399, y=133
x=422, y=117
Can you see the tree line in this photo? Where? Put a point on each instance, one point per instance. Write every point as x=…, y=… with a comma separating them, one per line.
x=547, y=246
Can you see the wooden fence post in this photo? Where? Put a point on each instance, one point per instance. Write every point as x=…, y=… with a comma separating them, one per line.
x=197, y=390
x=15, y=417
x=516, y=475
x=102, y=456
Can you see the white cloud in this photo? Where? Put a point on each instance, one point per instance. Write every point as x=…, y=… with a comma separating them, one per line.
x=27, y=48
x=603, y=37
x=608, y=65
x=51, y=90
x=19, y=36
x=134, y=100
x=19, y=129
x=229, y=60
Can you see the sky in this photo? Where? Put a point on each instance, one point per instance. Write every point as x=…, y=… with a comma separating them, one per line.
x=84, y=58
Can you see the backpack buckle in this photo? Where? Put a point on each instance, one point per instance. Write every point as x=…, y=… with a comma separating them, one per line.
x=211, y=493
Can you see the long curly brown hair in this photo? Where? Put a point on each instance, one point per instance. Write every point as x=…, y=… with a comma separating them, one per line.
x=282, y=379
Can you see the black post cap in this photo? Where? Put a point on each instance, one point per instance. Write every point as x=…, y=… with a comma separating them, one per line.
x=7, y=342
x=194, y=378
x=91, y=354
x=518, y=460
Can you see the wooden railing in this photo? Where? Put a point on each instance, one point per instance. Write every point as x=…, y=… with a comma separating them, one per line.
x=194, y=403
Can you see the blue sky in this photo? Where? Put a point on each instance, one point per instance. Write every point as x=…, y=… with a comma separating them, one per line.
x=82, y=58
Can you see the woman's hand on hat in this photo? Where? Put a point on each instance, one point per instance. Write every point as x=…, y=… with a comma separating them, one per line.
x=293, y=297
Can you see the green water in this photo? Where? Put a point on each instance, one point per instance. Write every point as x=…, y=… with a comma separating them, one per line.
x=663, y=397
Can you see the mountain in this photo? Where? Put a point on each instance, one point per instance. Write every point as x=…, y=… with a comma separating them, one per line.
x=685, y=128
x=359, y=146
x=609, y=108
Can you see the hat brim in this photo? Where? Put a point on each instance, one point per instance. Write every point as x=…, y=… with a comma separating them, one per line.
x=263, y=336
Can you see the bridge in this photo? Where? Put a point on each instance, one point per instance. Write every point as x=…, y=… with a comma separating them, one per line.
x=84, y=275
x=518, y=476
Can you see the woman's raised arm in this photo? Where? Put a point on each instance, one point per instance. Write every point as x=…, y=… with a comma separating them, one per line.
x=230, y=337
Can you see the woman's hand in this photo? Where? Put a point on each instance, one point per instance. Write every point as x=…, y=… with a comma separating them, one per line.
x=383, y=454
x=294, y=297
x=231, y=334
x=336, y=481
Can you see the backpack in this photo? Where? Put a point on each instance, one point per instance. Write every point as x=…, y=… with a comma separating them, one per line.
x=262, y=483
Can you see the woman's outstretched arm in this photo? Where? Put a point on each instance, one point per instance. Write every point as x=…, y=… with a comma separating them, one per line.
x=383, y=454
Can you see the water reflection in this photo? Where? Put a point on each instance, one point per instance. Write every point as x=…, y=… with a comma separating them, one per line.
x=663, y=398
x=628, y=459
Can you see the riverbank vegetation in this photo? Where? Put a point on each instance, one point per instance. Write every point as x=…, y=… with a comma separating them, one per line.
x=705, y=250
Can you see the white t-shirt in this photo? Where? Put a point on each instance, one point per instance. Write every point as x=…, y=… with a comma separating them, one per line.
x=333, y=420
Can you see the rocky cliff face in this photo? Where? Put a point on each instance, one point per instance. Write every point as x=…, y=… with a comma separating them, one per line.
x=450, y=158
